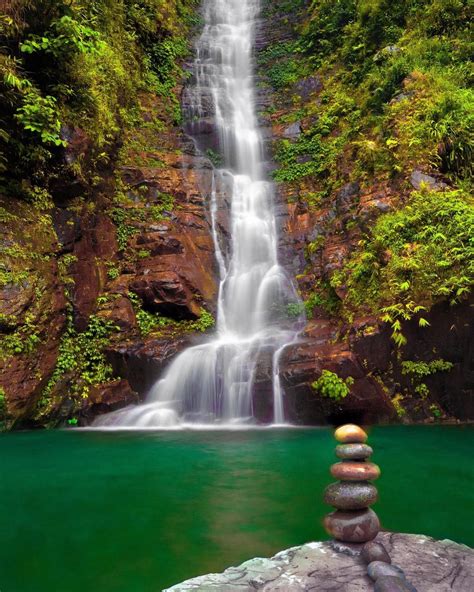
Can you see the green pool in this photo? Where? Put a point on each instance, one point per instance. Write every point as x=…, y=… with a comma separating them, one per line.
x=136, y=512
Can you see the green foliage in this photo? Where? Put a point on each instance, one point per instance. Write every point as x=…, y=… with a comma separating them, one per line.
x=323, y=297
x=330, y=385
x=395, y=314
x=82, y=354
x=283, y=66
x=112, y=272
x=3, y=407
x=41, y=116
x=436, y=411
x=316, y=151
x=125, y=230
x=414, y=257
x=66, y=35
x=128, y=218
x=295, y=309
x=205, y=322
x=419, y=370
x=83, y=65
x=23, y=340
x=322, y=32
x=422, y=369
x=214, y=157
x=147, y=321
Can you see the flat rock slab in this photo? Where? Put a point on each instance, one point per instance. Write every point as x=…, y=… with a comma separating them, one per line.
x=431, y=566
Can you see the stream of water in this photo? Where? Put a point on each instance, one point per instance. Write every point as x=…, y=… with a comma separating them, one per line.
x=212, y=382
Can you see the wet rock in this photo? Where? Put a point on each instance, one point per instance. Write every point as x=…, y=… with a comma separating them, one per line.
x=377, y=569
x=358, y=526
x=373, y=551
x=97, y=245
x=418, y=179
x=14, y=300
x=158, y=244
x=350, y=496
x=78, y=143
x=293, y=131
x=350, y=433
x=430, y=565
x=392, y=584
x=355, y=471
x=353, y=451
x=110, y=397
x=306, y=87
x=67, y=227
x=347, y=196
x=121, y=313
x=165, y=292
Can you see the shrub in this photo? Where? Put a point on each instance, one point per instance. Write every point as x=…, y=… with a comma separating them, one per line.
x=330, y=385
x=416, y=255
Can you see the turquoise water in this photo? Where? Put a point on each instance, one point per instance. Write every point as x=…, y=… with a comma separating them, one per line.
x=136, y=512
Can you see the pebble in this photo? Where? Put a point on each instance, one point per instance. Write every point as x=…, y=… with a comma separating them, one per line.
x=350, y=433
x=350, y=496
x=357, y=526
x=378, y=569
x=375, y=552
x=392, y=584
x=353, y=451
x=355, y=471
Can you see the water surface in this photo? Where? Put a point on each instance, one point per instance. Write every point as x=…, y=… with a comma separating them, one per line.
x=131, y=511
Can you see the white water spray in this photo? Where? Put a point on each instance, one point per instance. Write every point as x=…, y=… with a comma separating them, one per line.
x=213, y=382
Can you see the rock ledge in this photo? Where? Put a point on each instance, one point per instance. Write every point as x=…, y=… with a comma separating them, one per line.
x=430, y=565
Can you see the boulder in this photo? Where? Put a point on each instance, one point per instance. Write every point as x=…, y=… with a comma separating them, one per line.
x=418, y=179
x=428, y=565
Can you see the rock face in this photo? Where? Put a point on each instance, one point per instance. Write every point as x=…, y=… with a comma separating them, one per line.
x=316, y=240
x=441, y=566
x=85, y=260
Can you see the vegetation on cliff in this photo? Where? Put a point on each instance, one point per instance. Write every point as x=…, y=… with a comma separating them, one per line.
x=373, y=110
x=81, y=64
x=88, y=89
x=393, y=114
x=373, y=105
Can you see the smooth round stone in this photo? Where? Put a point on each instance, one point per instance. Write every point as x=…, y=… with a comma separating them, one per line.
x=350, y=433
x=375, y=552
x=392, y=584
x=353, y=451
x=357, y=526
x=378, y=569
x=355, y=471
x=350, y=496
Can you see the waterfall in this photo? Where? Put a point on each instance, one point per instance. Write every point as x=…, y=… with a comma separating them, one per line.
x=213, y=382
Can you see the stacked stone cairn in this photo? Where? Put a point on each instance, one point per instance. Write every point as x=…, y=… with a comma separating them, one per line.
x=353, y=521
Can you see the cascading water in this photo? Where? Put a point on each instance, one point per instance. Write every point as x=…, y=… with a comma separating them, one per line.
x=212, y=382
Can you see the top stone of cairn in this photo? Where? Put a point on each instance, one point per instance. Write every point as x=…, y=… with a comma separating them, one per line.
x=350, y=434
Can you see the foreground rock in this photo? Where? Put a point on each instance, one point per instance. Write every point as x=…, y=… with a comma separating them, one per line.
x=429, y=565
